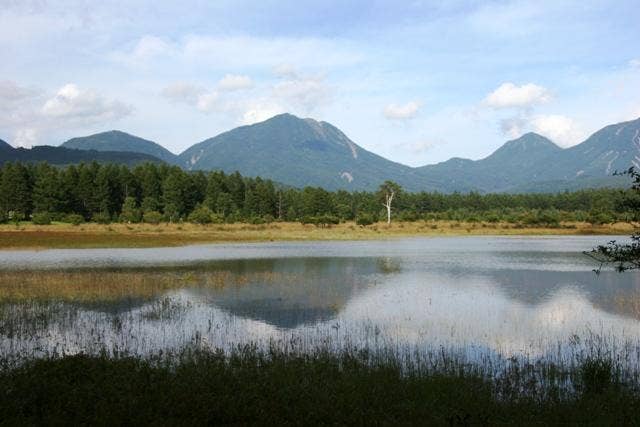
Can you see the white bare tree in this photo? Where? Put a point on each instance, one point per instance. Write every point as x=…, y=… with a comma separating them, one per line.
x=387, y=192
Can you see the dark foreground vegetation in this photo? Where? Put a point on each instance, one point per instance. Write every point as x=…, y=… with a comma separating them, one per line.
x=249, y=387
x=155, y=193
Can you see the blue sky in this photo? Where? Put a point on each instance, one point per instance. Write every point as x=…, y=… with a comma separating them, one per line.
x=417, y=82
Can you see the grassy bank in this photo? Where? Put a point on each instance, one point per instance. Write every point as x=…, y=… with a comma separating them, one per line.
x=59, y=235
x=278, y=389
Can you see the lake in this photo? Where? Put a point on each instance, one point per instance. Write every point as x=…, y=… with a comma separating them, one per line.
x=485, y=298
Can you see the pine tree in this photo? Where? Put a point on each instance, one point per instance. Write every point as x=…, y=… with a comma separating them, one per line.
x=46, y=189
x=15, y=191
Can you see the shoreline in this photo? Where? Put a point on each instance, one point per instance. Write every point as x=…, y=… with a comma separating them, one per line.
x=27, y=236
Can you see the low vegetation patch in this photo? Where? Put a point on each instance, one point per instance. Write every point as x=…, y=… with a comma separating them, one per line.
x=274, y=388
x=25, y=235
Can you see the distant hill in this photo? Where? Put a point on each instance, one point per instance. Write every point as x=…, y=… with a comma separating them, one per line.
x=120, y=141
x=305, y=152
x=515, y=163
x=5, y=147
x=298, y=152
x=612, y=148
x=65, y=156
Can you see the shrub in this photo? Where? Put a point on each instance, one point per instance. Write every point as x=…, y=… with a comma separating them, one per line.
x=364, y=220
x=217, y=218
x=41, y=218
x=256, y=220
x=200, y=215
x=596, y=375
x=74, y=219
x=325, y=220
x=101, y=218
x=268, y=218
x=130, y=211
x=152, y=217
x=599, y=218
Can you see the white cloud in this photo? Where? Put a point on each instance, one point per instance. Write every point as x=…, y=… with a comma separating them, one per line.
x=285, y=71
x=146, y=48
x=260, y=111
x=635, y=63
x=513, y=127
x=11, y=92
x=183, y=92
x=193, y=95
x=509, y=95
x=208, y=102
x=25, y=137
x=231, y=82
x=83, y=106
x=303, y=92
x=562, y=130
x=240, y=52
x=401, y=111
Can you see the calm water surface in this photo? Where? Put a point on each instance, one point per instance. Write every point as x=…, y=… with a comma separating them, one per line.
x=484, y=296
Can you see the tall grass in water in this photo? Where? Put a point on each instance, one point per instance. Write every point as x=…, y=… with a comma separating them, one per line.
x=275, y=387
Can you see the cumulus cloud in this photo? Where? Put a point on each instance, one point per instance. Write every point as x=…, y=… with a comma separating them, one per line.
x=74, y=104
x=30, y=113
x=25, y=138
x=260, y=111
x=231, y=82
x=509, y=95
x=401, y=111
x=562, y=130
x=290, y=91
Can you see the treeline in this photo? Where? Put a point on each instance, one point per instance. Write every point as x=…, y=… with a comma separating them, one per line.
x=154, y=193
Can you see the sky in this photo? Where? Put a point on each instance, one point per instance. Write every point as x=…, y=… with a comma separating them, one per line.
x=417, y=82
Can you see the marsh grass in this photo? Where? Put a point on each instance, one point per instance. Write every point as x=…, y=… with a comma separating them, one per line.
x=58, y=235
x=99, y=285
x=274, y=387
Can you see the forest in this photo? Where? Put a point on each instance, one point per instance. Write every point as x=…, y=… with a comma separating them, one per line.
x=155, y=193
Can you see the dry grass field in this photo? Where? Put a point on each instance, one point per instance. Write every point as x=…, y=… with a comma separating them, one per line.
x=90, y=235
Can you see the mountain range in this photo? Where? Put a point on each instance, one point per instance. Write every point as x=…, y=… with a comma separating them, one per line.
x=300, y=152
x=62, y=156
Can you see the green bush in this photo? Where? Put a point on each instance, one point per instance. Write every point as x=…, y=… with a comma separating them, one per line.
x=200, y=215
x=217, y=218
x=130, y=211
x=41, y=218
x=599, y=218
x=364, y=220
x=256, y=220
x=74, y=219
x=596, y=375
x=101, y=218
x=152, y=217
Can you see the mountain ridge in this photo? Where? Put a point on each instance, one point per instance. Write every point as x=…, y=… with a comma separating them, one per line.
x=62, y=156
x=305, y=152
x=118, y=141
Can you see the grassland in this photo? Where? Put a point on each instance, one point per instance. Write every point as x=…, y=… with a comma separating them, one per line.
x=253, y=388
x=59, y=235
